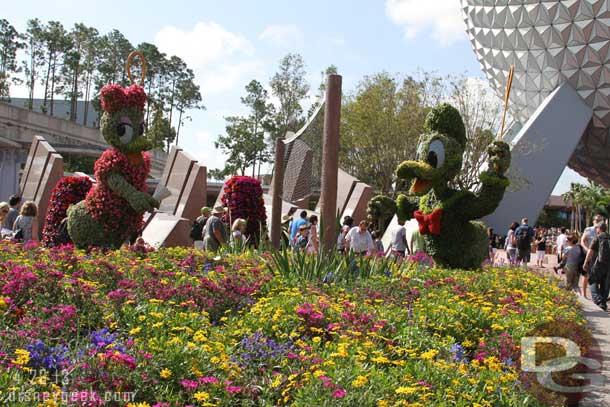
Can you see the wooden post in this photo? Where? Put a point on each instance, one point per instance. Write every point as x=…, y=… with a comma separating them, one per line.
x=277, y=192
x=330, y=161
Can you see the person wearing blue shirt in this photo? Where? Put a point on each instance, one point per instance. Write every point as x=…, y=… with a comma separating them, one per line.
x=296, y=224
x=524, y=243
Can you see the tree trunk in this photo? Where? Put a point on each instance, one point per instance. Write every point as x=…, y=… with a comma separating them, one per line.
x=74, y=104
x=87, y=87
x=179, y=123
x=53, y=86
x=32, y=80
x=171, y=103
x=46, y=84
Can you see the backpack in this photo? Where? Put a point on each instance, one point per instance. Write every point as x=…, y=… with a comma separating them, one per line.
x=603, y=254
x=196, y=230
x=524, y=239
x=581, y=260
x=602, y=262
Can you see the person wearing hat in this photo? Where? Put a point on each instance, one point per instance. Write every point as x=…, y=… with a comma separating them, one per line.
x=214, y=233
x=198, y=227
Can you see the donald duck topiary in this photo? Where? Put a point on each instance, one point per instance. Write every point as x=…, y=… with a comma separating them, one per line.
x=446, y=216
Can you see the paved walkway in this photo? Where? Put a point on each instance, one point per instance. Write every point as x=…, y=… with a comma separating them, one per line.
x=598, y=322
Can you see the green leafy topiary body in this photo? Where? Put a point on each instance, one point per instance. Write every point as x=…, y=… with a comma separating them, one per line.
x=461, y=241
x=113, y=209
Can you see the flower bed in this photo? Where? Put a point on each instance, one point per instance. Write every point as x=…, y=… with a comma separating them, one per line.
x=175, y=328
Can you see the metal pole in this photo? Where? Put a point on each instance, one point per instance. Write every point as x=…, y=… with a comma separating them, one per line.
x=330, y=161
x=277, y=192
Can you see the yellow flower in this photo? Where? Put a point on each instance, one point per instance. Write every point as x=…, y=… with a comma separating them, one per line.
x=360, y=381
x=316, y=339
x=142, y=404
x=406, y=390
x=382, y=403
x=2, y=302
x=135, y=331
x=22, y=357
x=201, y=396
x=429, y=355
x=165, y=373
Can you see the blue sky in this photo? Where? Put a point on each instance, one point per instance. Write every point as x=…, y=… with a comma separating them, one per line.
x=228, y=43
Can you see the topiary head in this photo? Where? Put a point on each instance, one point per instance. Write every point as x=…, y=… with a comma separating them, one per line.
x=439, y=152
x=122, y=123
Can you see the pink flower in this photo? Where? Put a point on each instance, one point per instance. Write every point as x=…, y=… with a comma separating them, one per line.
x=339, y=393
x=189, y=384
x=233, y=389
x=209, y=379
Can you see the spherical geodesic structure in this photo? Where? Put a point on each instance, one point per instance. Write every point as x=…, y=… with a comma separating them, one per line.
x=549, y=42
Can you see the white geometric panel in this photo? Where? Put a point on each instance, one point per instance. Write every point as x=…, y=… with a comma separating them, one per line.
x=549, y=42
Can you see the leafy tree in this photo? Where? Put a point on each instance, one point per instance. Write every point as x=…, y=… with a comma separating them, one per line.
x=156, y=67
x=260, y=119
x=188, y=96
x=331, y=69
x=160, y=131
x=245, y=138
x=10, y=42
x=593, y=198
x=381, y=124
x=481, y=112
x=35, y=51
x=56, y=43
x=290, y=87
x=77, y=61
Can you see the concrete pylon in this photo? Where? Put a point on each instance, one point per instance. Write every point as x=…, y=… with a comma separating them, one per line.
x=330, y=160
x=277, y=193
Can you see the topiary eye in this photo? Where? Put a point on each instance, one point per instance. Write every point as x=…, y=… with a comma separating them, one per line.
x=120, y=129
x=436, y=154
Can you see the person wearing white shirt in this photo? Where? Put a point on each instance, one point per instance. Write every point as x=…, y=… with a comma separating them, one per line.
x=561, y=243
x=359, y=239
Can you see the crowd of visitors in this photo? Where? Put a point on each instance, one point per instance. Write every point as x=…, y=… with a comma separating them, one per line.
x=18, y=222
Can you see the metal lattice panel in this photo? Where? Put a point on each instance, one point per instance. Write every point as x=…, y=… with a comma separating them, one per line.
x=549, y=42
x=303, y=159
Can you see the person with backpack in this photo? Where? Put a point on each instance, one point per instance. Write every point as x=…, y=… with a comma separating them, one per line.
x=523, y=239
x=197, y=228
x=572, y=262
x=597, y=264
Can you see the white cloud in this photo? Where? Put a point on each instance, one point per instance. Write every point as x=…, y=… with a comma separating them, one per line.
x=229, y=75
x=206, y=43
x=282, y=35
x=443, y=17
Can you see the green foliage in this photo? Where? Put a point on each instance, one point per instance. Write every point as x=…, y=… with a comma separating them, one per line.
x=446, y=119
x=290, y=87
x=593, y=198
x=160, y=131
x=553, y=218
x=77, y=163
x=380, y=125
x=380, y=210
x=10, y=43
x=244, y=142
x=77, y=63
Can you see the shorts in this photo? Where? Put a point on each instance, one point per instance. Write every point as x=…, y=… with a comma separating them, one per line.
x=540, y=255
x=523, y=255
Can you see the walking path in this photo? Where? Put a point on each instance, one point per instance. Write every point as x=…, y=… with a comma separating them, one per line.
x=598, y=322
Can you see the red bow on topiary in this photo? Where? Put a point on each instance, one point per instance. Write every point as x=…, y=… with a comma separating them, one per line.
x=429, y=224
x=114, y=97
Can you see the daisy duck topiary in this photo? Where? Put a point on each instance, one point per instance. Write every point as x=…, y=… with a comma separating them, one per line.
x=446, y=216
x=113, y=209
